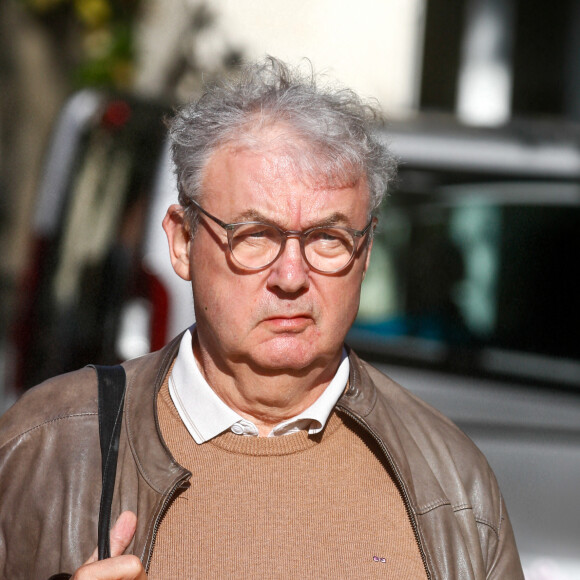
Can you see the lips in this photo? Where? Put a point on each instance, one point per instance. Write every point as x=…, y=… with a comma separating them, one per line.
x=289, y=322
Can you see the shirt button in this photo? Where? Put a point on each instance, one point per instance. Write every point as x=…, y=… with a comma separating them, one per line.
x=237, y=429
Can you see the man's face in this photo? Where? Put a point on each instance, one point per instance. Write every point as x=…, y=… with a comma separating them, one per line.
x=286, y=317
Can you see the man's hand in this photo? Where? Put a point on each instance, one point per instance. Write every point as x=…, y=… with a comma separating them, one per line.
x=117, y=567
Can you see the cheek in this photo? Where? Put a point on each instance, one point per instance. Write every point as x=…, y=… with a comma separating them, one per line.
x=340, y=302
x=224, y=300
x=352, y=300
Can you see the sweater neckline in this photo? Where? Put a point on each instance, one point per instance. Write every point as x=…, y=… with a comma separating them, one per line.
x=275, y=446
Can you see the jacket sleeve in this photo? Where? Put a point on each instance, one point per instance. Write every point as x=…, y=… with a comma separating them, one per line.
x=506, y=561
x=49, y=480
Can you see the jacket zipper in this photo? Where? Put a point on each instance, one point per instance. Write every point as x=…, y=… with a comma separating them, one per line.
x=165, y=365
x=168, y=498
x=399, y=482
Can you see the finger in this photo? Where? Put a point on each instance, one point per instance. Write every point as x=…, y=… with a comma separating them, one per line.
x=121, y=535
x=118, y=568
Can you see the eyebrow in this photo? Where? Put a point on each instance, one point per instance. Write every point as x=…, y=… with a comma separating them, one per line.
x=335, y=218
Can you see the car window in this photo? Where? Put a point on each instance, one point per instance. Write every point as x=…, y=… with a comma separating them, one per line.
x=484, y=274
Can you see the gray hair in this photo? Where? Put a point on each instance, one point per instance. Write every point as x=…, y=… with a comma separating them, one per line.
x=333, y=128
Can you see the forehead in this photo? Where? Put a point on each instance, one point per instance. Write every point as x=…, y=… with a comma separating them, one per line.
x=280, y=178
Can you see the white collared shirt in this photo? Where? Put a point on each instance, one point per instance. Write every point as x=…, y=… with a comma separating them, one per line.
x=205, y=415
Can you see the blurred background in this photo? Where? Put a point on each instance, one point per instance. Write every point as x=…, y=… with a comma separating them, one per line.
x=473, y=301
x=486, y=61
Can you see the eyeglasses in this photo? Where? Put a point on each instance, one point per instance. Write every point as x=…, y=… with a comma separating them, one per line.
x=256, y=245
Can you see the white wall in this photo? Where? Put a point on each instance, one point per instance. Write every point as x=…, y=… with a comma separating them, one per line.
x=372, y=46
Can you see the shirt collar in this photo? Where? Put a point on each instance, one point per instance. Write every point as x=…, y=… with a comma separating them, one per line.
x=205, y=415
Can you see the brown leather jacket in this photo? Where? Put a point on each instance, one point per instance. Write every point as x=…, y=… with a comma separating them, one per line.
x=50, y=474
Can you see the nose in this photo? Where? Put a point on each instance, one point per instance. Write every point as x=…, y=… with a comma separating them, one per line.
x=290, y=272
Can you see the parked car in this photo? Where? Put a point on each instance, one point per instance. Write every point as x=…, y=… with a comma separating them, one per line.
x=472, y=299
x=90, y=291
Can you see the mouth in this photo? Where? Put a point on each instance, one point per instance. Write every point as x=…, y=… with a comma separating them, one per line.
x=289, y=322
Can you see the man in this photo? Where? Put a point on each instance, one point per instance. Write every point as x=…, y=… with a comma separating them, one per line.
x=256, y=444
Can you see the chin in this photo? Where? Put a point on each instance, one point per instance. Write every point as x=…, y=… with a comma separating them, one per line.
x=291, y=355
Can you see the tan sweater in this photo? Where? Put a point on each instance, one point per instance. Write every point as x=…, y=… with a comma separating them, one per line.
x=296, y=506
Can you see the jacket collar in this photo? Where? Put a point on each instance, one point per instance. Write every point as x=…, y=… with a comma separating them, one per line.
x=145, y=376
x=361, y=395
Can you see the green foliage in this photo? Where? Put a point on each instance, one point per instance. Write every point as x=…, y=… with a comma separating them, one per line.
x=98, y=36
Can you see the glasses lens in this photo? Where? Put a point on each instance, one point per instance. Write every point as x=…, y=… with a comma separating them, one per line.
x=255, y=245
x=329, y=249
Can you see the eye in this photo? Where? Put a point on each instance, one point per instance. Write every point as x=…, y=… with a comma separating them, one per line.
x=255, y=233
x=258, y=233
x=327, y=235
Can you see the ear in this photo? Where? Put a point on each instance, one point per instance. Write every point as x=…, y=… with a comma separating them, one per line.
x=178, y=240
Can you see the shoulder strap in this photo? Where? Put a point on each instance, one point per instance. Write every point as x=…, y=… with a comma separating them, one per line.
x=111, y=397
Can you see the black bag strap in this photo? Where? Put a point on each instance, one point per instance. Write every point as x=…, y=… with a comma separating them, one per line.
x=111, y=398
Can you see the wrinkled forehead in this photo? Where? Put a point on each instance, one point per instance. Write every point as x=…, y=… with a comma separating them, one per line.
x=311, y=161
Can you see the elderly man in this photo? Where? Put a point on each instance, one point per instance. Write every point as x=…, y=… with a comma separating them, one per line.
x=256, y=444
